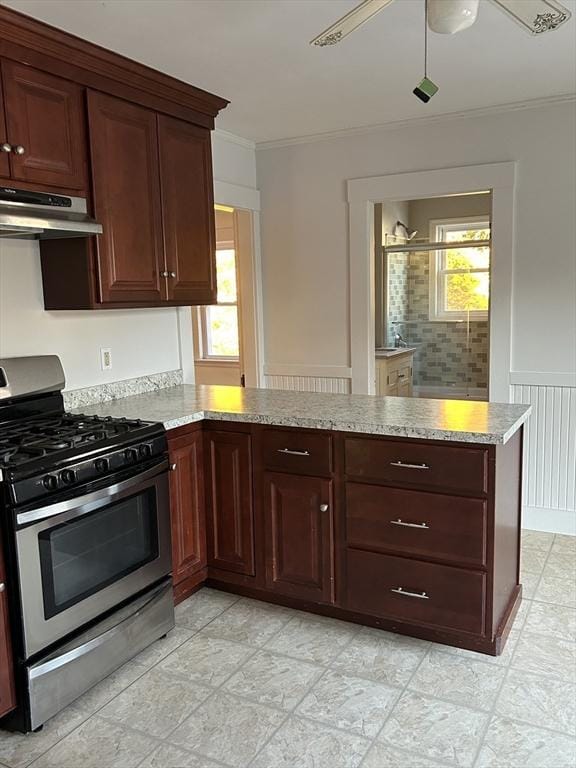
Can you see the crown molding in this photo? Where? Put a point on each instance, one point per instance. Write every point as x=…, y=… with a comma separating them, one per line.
x=232, y=138
x=417, y=121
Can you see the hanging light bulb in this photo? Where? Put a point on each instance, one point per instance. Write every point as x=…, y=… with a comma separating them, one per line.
x=450, y=16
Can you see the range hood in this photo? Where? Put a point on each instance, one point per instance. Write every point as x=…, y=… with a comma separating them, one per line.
x=41, y=215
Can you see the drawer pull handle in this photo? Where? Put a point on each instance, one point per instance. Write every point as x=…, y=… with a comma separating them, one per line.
x=410, y=525
x=408, y=466
x=293, y=453
x=407, y=593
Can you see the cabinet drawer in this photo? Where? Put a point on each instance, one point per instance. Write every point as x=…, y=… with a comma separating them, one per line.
x=413, y=591
x=418, y=463
x=306, y=453
x=450, y=528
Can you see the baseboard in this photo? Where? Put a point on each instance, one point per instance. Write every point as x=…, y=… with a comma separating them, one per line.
x=549, y=520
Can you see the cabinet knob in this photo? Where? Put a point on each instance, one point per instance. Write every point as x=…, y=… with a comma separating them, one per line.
x=5, y=147
x=172, y=274
x=19, y=149
x=323, y=507
x=172, y=467
x=164, y=274
x=2, y=587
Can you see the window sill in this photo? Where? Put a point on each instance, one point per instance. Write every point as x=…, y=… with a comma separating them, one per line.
x=220, y=362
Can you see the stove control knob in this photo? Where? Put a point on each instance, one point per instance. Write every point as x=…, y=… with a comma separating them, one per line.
x=101, y=465
x=145, y=450
x=131, y=454
x=68, y=476
x=50, y=482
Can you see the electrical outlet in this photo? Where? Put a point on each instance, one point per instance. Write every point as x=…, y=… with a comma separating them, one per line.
x=106, y=359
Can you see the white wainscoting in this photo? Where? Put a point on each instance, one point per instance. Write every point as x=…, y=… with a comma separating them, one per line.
x=332, y=384
x=549, y=501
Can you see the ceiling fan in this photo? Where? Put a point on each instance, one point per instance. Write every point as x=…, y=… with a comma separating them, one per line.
x=448, y=17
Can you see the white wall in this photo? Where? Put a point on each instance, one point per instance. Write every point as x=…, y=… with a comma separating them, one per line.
x=142, y=341
x=305, y=232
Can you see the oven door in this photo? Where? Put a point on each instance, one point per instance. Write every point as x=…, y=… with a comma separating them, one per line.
x=79, y=558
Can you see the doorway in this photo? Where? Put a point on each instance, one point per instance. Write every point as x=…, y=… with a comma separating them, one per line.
x=225, y=338
x=432, y=296
x=364, y=193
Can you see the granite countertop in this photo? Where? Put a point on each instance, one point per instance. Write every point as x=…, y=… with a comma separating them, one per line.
x=458, y=420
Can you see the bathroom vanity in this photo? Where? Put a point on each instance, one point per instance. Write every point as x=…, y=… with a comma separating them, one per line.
x=393, y=512
x=395, y=371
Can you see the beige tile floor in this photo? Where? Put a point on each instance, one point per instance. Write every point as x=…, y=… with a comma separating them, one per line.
x=241, y=683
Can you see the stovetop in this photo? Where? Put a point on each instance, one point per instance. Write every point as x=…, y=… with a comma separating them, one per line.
x=51, y=454
x=49, y=437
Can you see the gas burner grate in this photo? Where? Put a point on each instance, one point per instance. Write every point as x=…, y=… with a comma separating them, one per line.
x=34, y=438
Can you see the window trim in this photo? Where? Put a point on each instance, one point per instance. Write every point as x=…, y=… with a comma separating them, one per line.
x=202, y=316
x=436, y=286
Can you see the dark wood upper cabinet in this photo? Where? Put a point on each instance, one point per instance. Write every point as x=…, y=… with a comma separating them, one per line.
x=126, y=190
x=187, y=507
x=4, y=146
x=7, y=693
x=135, y=142
x=188, y=211
x=298, y=520
x=45, y=126
x=229, y=508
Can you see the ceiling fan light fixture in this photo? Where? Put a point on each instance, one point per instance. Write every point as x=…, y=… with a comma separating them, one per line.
x=447, y=17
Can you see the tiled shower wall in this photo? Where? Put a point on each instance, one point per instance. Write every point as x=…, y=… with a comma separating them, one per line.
x=397, y=293
x=448, y=353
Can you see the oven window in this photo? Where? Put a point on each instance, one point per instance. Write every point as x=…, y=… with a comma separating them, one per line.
x=81, y=557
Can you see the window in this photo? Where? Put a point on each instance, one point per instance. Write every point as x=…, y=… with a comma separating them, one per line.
x=460, y=277
x=219, y=322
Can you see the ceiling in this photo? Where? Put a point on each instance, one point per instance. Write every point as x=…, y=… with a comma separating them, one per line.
x=256, y=53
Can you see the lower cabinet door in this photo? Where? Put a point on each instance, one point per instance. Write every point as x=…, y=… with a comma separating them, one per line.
x=7, y=694
x=230, y=509
x=298, y=518
x=187, y=506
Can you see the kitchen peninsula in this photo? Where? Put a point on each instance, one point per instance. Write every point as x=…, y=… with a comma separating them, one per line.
x=398, y=513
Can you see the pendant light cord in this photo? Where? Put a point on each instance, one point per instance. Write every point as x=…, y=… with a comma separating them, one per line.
x=425, y=38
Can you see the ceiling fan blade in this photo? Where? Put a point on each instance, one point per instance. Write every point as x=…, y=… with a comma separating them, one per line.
x=536, y=16
x=350, y=22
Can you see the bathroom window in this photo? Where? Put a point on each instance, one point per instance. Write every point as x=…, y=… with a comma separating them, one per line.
x=460, y=276
x=219, y=322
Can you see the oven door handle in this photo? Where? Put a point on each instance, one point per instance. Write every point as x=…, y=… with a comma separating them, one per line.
x=91, y=501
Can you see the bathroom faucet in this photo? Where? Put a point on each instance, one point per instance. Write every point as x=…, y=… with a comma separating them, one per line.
x=398, y=338
x=399, y=341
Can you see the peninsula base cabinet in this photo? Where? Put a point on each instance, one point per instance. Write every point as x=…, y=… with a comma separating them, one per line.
x=7, y=694
x=414, y=536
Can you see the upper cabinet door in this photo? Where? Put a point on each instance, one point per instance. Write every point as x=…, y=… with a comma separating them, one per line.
x=188, y=210
x=4, y=146
x=45, y=127
x=126, y=186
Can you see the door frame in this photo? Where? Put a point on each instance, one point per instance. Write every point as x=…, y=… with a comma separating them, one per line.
x=245, y=200
x=364, y=193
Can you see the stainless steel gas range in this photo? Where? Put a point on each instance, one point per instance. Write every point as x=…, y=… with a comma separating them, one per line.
x=86, y=527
